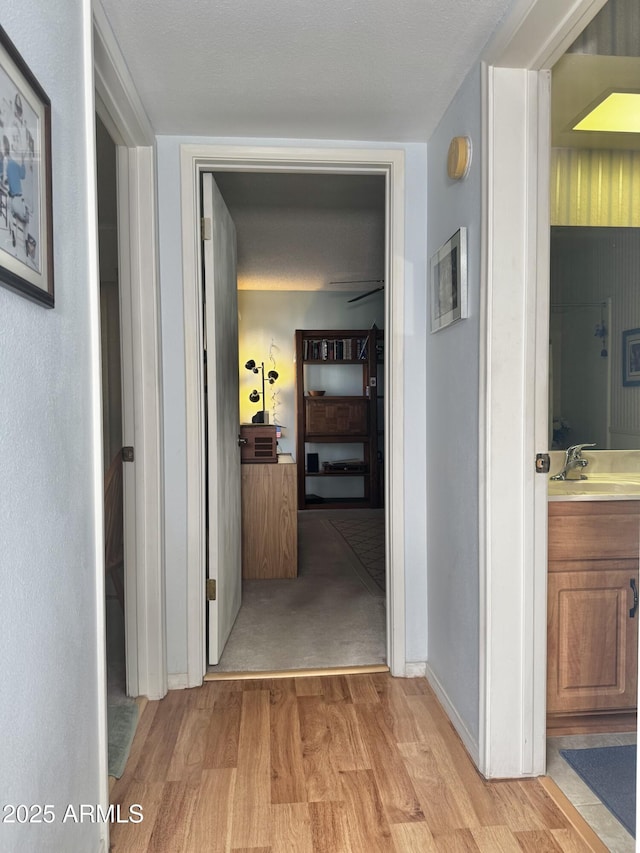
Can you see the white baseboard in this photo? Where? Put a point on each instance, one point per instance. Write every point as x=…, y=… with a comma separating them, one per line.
x=470, y=743
x=178, y=680
x=415, y=669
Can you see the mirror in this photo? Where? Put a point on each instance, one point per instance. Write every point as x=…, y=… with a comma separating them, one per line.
x=595, y=296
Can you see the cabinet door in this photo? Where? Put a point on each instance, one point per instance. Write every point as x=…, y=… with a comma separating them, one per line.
x=592, y=641
x=347, y=416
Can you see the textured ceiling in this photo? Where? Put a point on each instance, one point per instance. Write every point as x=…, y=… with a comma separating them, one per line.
x=305, y=232
x=326, y=69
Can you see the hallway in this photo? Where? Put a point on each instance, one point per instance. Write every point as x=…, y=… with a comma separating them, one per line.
x=326, y=764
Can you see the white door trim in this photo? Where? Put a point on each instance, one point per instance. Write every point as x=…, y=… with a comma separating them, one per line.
x=514, y=356
x=119, y=107
x=387, y=162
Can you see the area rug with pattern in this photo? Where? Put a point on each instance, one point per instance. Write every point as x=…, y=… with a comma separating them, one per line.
x=610, y=772
x=365, y=537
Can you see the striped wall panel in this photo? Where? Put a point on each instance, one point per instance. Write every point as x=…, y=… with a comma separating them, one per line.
x=596, y=188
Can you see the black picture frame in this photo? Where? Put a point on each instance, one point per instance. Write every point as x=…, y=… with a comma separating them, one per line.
x=26, y=212
x=631, y=357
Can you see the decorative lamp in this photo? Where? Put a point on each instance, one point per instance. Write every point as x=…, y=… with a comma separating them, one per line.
x=262, y=416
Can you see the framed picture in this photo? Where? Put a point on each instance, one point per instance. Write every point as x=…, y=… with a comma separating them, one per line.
x=631, y=357
x=26, y=232
x=449, y=282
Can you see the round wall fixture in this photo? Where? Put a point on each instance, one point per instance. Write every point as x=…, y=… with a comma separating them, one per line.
x=459, y=157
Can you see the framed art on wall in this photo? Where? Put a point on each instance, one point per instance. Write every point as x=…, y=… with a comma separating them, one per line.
x=449, y=282
x=26, y=231
x=631, y=357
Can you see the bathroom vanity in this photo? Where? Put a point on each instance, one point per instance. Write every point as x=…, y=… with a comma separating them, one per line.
x=592, y=619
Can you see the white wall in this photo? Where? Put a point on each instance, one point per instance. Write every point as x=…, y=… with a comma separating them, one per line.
x=452, y=427
x=168, y=148
x=50, y=459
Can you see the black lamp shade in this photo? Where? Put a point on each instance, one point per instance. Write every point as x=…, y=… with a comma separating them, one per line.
x=254, y=396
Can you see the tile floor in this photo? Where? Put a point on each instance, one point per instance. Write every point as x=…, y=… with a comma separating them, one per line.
x=594, y=812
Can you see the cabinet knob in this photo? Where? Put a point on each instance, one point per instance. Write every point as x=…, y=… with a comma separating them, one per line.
x=634, y=609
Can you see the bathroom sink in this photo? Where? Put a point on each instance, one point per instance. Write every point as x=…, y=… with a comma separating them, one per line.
x=598, y=484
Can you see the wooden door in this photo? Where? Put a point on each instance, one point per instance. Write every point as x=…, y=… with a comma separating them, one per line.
x=223, y=418
x=592, y=641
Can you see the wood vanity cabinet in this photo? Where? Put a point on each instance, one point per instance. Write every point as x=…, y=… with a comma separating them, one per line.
x=592, y=626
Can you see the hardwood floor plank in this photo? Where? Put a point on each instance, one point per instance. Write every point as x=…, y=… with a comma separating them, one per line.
x=155, y=758
x=439, y=802
x=362, y=690
x=321, y=775
x=544, y=806
x=335, y=688
x=398, y=714
x=454, y=765
x=188, y=755
x=251, y=813
x=221, y=747
x=412, y=838
x=173, y=821
x=455, y=841
x=135, y=837
x=210, y=827
x=570, y=843
x=309, y=686
x=367, y=827
x=537, y=841
x=288, y=781
x=345, y=745
x=496, y=839
x=516, y=810
x=292, y=828
x=328, y=827
x=394, y=783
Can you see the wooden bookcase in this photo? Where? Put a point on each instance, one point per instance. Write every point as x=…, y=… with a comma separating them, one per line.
x=338, y=419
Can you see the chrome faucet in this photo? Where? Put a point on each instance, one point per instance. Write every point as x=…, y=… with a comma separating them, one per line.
x=573, y=459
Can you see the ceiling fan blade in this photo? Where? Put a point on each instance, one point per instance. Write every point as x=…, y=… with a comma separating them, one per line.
x=363, y=295
x=360, y=281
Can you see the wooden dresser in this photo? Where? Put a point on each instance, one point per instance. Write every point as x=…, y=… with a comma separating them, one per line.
x=269, y=521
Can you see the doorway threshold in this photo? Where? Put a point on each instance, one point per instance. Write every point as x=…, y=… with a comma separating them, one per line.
x=295, y=673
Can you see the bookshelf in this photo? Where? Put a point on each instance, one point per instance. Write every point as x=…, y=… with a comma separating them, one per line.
x=349, y=420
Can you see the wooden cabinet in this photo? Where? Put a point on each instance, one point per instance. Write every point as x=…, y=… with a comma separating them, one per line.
x=332, y=419
x=592, y=624
x=269, y=521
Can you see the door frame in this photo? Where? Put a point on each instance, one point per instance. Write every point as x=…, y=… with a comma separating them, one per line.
x=514, y=379
x=391, y=164
x=120, y=109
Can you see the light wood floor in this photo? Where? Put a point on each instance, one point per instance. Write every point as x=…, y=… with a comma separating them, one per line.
x=333, y=764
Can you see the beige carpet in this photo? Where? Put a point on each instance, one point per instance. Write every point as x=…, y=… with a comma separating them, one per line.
x=331, y=615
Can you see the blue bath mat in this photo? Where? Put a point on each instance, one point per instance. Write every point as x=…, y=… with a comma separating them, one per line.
x=610, y=772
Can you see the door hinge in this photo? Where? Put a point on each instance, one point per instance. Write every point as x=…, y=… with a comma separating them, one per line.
x=205, y=228
x=543, y=463
x=211, y=589
x=127, y=454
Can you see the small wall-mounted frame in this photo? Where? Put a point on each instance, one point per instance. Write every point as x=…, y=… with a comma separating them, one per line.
x=631, y=357
x=26, y=232
x=449, y=282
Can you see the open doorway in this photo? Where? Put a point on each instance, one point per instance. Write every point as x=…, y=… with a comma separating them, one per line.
x=594, y=308
x=311, y=256
x=195, y=161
